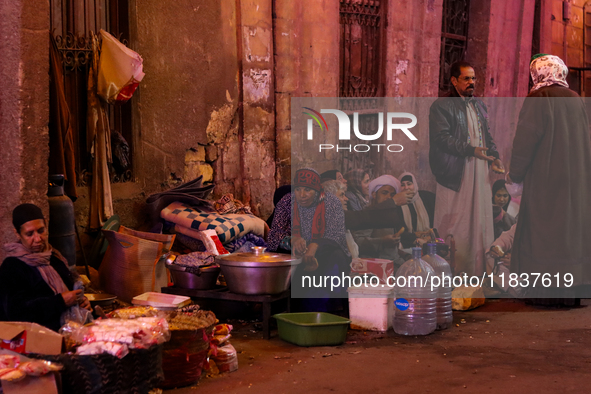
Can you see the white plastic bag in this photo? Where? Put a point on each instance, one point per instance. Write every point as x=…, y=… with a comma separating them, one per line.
x=120, y=70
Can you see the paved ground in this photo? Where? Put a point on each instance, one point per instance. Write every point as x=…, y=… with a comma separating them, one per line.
x=504, y=346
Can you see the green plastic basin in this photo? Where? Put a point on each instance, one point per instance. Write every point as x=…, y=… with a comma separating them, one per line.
x=312, y=328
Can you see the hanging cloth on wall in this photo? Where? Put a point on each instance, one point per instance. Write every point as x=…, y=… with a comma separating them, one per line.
x=62, y=159
x=99, y=145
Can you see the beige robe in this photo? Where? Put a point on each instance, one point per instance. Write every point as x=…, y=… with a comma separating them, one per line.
x=467, y=214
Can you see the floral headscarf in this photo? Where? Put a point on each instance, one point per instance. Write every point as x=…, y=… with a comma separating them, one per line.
x=548, y=70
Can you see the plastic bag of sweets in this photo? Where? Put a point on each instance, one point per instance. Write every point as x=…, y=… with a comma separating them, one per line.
x=226, y=358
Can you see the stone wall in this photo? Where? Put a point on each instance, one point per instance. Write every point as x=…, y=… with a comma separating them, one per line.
x=257, y=132
x=24, y=108
x=307, y=35
x=412, y=70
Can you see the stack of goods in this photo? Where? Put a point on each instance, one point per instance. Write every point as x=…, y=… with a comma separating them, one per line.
x=13, y=370
x=121, y=354
x=223, y=356
x=185, y=355
x=117, y=336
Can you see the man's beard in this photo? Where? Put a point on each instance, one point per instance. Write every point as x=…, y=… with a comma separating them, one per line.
x=469, y=93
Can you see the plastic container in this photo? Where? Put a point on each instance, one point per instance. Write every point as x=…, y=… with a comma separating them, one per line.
x=415, y=305
x=312, y=328
x=443, y=272
x=371, y=308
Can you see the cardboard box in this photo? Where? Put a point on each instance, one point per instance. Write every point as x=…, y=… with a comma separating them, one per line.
x=378, y=267
x=46, y=384
x=24, y=337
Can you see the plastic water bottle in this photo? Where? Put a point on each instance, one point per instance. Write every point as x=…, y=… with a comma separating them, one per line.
x=443, y=272
x=415, y=305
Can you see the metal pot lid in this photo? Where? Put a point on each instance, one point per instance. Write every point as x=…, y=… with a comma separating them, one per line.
x=257, y=258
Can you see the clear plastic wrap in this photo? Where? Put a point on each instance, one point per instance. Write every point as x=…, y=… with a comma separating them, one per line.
x=8, y=361
x=226, y=358
x=17, y=370
x=117, y=336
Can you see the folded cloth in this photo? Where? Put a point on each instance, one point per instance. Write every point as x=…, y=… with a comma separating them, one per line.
x=227, y=227
x=192, y=193
x=238, y=243
x=228, y=204
x=195, y=259
x=193, y=244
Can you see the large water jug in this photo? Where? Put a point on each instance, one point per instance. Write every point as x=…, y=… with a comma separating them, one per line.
x=443, y=285
x=415, y=305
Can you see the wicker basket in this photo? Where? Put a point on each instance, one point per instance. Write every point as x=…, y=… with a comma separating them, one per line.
x=184, y=356
x=137, y=373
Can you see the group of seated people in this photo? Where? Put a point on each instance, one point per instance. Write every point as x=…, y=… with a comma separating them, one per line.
x=337, y=218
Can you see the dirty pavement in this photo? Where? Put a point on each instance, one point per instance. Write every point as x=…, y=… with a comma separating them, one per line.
x=505, y=346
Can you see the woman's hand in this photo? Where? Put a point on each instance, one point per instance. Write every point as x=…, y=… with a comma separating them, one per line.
x=309, y=259
x=71, y=297
x=391, y=240
x=310, y=263
x=298, y=245
x=84, y=303
x=506, y=260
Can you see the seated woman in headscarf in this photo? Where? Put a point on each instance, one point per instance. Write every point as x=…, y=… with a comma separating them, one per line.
x=418, y=213
x=357, y=189
x=36, y=284
x=317, y=236
x=502, y=198
x=332, y=175
x=383, y=243
x=277, y=196
x=338, y=189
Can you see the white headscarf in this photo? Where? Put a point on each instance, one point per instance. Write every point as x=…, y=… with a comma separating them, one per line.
x=383, y=180
x=548, y=70
x=423, y=223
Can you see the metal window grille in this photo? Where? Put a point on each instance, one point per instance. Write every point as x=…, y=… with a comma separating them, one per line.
x=362, y=69
x=71, y=24
x=454, y=37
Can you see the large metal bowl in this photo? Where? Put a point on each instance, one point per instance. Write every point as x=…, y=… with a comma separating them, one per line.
x=258, y=272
